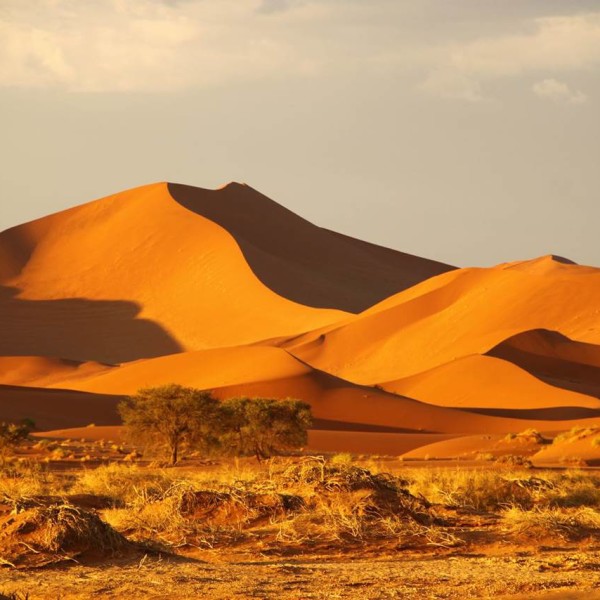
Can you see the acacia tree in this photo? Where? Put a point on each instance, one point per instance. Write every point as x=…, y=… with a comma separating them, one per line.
x=172, y=416
x=263, y=427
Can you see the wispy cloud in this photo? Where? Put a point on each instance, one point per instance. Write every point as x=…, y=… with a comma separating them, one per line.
x=173, y=45
x=554, y=44
x=140, y=45
x=559, y=92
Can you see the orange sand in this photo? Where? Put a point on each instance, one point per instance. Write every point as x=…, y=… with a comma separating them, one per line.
x=226, y=290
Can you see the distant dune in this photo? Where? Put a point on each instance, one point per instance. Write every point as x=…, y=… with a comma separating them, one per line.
x=227, y=290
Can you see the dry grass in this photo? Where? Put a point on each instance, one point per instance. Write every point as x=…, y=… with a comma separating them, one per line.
x=305, y=504
x=548, y=523
x=123, y=483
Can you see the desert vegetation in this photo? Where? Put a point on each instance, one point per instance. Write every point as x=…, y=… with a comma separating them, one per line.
x=130, y=511
x=175, y=417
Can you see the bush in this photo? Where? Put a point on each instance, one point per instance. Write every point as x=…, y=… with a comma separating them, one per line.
x=12, y=434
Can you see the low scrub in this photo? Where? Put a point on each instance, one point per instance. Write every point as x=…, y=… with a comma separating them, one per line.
x=552, y=523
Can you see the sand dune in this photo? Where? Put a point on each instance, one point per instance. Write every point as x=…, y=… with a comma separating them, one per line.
x=474, y=446
x=454, y=315
x=142, y=274
x=486, y=382
x=227, y=290
x=57, y=408
x=203, y=369
x=303, y=262
x=555, y=359
x=135, y=275
x=271, y=372
x=41, y=371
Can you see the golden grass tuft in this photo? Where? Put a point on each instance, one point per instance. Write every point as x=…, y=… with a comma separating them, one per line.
x=547, y=523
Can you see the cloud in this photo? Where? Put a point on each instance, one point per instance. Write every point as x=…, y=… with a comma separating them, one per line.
x=175, y=45
x=275, y=6
x=453, y=85
x=553, y=44
x=142, y=45
x=558, y=92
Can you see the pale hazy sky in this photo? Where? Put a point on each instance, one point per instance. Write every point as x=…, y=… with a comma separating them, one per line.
x=462, y=130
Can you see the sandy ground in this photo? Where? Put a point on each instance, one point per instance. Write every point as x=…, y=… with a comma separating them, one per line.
x=548, y=575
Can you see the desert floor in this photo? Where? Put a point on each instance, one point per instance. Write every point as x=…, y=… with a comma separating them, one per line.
x=544, y=574
x=471, y=548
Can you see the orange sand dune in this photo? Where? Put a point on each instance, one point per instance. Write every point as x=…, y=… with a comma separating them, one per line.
x=226, y=290
x=555, y=359
x=203, y=369
x=142, y=274
x=303, y=262
x=90, y=434
x=455, y=315
x=41, y=371
x=586, y=449
x=134, y=275
x=272, y=372
x=486, y=382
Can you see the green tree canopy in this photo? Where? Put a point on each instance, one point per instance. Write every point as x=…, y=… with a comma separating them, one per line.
x=172, y=417
x=263, y=427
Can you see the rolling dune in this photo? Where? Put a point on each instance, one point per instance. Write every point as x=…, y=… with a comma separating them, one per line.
x=486, y=382
x=455, y=315
x=226, y=290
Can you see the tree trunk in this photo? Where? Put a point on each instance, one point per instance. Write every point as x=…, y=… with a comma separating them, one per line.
x=174, y=449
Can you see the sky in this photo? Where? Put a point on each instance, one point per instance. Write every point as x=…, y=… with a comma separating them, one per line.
x=466, y=131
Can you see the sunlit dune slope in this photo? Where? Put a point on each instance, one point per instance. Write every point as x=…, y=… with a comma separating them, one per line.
x=454, y=315
x=474, y=446
x=486, y=382
x=42, y=371
x=203, y=369
x=135, y=275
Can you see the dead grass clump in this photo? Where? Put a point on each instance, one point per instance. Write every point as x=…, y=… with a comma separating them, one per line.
x=330, y=477
x=527, y=436
x=237, y=505
x=573, y=489
x=548, y=523
x=19, y=478
x=13, y=596
x=50, y=534
x=122, y=483
x=184, y=515
x=474, y=490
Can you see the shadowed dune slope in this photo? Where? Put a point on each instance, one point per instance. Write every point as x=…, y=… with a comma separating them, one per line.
x=301, y=261
x=455, y=315
x=135, y=275
x=554, y=359
x=56, y=408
